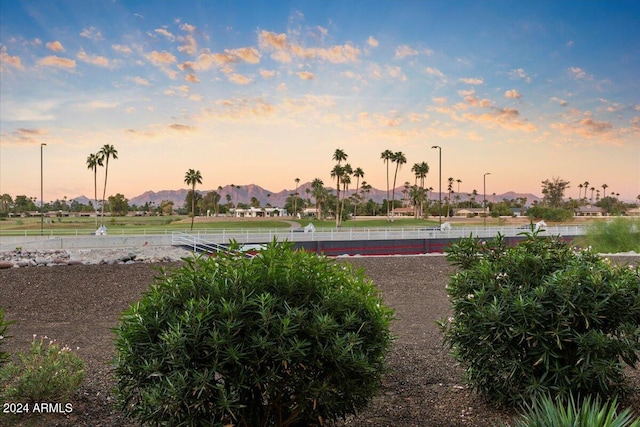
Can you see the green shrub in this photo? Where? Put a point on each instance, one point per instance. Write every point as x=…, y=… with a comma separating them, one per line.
x=284, y=338
x=619, y=235
x=546, y=412
x=550, y=214
x=47, y=373
x=541, y=318
x=4, y=326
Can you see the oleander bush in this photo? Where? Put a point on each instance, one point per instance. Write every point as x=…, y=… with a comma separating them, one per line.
x=48, y=372
x=570, y=412
x=286, y=338
x=541, y=318
x=4, y=327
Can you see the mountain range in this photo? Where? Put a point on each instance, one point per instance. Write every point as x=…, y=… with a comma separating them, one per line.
x=244, y=193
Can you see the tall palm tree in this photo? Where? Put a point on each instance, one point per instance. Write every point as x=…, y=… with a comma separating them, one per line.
x=93, y=161
x=399, y=159
x=604, y=190
x=347, y=170
x=365, y=188
x=337, y=172
x=357, y=173
x=420, y=170
x=193, y=177
x=318, y=192
x=106, y=152
x=450, y=190
x=580, y=191
x=586, y=187
x=592, y=190
x=295, y=197
x=339, y=156
x=387, y=156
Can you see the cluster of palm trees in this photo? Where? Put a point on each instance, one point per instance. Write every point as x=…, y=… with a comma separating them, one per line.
x=586, y=187
x=342, y=173
x=99, y=159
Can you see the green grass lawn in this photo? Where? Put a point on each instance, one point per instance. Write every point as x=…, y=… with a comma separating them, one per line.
x=159, y=224
x=163, y=224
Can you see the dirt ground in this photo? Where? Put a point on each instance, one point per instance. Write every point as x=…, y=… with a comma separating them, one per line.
x=77, y=305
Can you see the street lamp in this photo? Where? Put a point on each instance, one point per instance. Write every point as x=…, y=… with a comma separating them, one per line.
x=439, y=183
x=41, y=191
x=484, y=198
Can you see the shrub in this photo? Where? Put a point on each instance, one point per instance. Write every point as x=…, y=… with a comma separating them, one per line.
x=47, y=373
x=545, y=412
x=550, y=214
x=619, y=235
x=284, y=338
x=4, y=326
x=541, y=318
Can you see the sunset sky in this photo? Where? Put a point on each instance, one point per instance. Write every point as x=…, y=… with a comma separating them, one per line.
x=264, y=92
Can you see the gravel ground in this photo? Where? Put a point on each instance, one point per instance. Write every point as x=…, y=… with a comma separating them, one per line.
x=79, y=304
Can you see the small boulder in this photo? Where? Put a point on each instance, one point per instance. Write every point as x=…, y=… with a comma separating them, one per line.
x=6, y=264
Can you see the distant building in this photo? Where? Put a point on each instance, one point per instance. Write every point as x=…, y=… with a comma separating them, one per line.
x=468, y=212
x=589, y=211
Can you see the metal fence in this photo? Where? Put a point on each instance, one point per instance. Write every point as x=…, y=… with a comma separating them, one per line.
x=221, y=236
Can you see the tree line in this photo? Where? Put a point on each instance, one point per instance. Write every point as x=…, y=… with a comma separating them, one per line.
x=336, y=203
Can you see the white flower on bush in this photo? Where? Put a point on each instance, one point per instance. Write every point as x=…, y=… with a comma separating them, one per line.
x=471, y=296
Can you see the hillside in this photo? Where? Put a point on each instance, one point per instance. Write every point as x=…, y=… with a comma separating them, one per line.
x=244, y=193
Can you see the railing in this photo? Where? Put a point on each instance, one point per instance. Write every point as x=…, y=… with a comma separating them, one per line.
x=218, y=236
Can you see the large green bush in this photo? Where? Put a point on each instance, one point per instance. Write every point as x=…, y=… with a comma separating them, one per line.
x=541, y=318
x=285, y=338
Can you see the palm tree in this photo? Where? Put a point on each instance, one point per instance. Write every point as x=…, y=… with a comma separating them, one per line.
x=399, y=159
x=193, y=177
x=337, y=172
x=579, y=191
x=93, y=161
x=387, y=156
x=592, y=190
x=319, y=194
x=357, y=173
x=339, y=156
x=106, y=152
x=365, y=188
x=346, y=180
x=295, y=197
x=420, y=170
x=604, y=190
x=586, y=187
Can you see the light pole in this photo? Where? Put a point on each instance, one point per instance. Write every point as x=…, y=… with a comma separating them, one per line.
x=484, y=198
x=41, y=191
x=439, y=183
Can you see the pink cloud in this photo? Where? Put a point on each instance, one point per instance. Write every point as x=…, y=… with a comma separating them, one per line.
x=512, y=94
x=56, y=61
x=55, y=46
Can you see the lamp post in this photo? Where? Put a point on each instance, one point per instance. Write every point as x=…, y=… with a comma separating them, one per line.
x=439, y=183
x=484, y=198
x=41, y=191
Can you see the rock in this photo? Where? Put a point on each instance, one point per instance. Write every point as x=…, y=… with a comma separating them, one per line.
x=40, y=260
x=6, y=264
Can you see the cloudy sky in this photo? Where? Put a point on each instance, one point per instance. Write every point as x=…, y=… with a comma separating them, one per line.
x=264, y=92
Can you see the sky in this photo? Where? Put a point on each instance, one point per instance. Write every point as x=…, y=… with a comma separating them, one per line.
x=264, y=92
